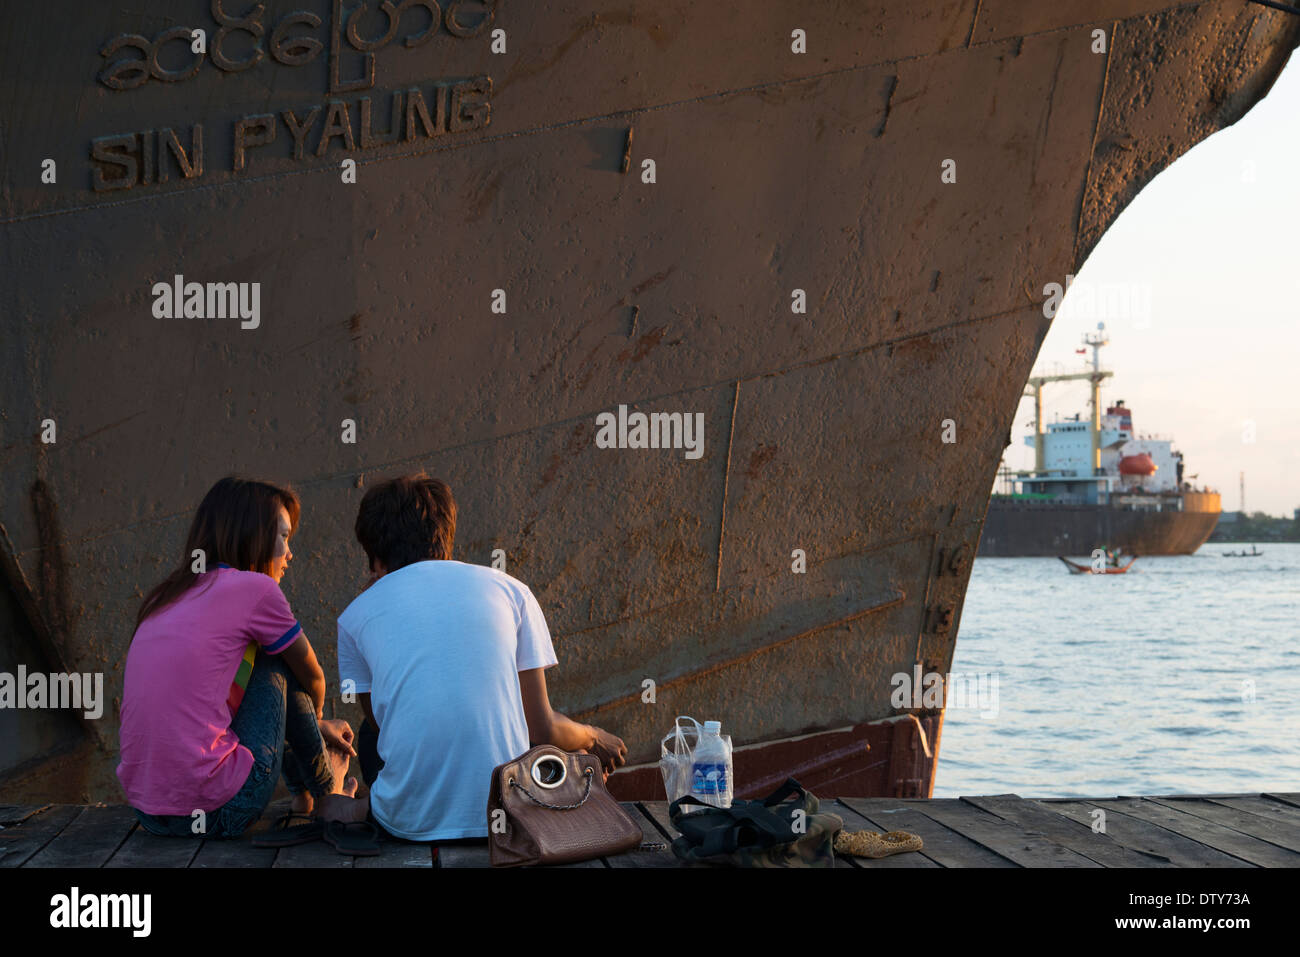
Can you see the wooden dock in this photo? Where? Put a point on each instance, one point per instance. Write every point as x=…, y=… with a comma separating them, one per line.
x=1173, y=831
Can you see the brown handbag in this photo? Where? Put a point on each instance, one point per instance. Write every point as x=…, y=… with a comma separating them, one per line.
x=551, y=807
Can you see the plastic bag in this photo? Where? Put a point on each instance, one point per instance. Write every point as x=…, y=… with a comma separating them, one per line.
x=676, y=754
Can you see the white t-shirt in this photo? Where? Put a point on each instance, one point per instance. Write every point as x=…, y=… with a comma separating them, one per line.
x=439, y=646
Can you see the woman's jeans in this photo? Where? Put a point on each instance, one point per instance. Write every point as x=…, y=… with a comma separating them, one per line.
x=277, y=722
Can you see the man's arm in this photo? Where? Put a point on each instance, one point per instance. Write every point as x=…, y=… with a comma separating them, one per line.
x=547, y=726
x=364, y=700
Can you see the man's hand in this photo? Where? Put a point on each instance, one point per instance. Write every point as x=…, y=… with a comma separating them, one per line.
x=337, y=734
x=610, y=749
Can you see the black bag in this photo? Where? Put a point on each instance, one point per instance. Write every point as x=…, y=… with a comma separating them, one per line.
x=785, y=829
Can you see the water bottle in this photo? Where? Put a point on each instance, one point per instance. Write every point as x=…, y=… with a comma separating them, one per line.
x=711, y=768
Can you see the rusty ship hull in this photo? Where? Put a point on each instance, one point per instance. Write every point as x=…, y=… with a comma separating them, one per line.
x=553, y=210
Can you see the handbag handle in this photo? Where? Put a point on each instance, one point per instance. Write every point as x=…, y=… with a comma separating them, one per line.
x=555, y=807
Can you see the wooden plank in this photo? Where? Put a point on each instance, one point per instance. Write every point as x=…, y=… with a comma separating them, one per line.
x=856, y=821
x=945, y=846
x=1282, y=833
x=142, y=849
x=1290, y=798
x=1027, y=850
x=1239, y=845
x=18, y=844
x=871, y=805
x=1265, y=807
x=314, y=854
x=477, y=855
x=468, y=853
x=1034, y=818
x=398, y=854
x=1148, y=838
x=657, y=812
x=237, y=853
x=639, y=858
x=1175, y=797
x=13, y=814
x=89, y=840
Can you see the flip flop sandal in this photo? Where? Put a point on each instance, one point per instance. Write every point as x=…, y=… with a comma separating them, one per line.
x=284, y=835
x=357, y=838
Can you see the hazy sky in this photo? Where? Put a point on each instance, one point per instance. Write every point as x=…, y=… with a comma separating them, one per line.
x=1211, y=244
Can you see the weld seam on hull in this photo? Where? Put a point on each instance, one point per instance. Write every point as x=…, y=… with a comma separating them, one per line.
x=970, y=37
x=726, y=478
x=1092, y=150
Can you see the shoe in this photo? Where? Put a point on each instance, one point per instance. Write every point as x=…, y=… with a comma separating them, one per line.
x=357, y=838
x=286, y=834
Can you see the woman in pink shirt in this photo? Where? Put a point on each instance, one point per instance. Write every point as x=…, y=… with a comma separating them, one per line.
x=223, y=692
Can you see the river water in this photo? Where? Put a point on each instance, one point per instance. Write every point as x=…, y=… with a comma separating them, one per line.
x=1181, y=676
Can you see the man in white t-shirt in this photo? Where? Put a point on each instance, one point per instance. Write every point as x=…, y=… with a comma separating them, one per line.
x=448, y=662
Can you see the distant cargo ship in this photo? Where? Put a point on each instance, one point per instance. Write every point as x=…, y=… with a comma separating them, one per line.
x=1097, y=484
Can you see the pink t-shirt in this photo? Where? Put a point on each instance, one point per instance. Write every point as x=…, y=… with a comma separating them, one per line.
x=179, y=754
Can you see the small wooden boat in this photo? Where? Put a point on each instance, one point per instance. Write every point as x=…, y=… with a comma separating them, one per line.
x=1077, y=569
x=1253, y=553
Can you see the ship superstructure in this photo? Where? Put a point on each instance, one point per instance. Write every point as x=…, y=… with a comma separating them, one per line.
x=1087, y=470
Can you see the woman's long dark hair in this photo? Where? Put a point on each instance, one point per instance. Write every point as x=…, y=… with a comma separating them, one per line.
x=235, y=524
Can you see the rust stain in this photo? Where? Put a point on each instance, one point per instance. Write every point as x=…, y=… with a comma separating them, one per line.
x=573, y=446
x=53, y=574
x=589, y=368
x=481, y=194
x=923, y=348
x=644, y=345
x=563, y=350
x=654, y=280
x=761, y=456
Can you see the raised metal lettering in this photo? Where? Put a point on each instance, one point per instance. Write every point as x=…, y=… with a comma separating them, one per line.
x=299, y=49
x=251, y=23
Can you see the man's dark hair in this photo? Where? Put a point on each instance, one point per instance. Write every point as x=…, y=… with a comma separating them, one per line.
x=408, y=519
